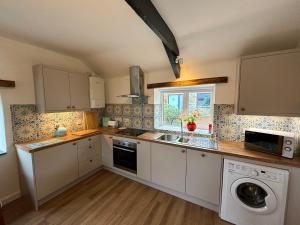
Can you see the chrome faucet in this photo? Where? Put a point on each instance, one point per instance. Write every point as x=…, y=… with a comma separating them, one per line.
x=181, y=127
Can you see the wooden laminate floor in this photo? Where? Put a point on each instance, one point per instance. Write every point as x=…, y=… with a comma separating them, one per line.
x=107, y=199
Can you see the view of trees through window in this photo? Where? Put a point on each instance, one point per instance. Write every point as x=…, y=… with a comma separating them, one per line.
x=183, y=102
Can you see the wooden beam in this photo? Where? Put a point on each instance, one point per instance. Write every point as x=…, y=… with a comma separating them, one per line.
x=149, y=14
x=172, y=58
x=7, y=83
x=213, y=80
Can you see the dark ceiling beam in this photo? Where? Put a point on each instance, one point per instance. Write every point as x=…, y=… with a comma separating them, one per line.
x=172, y=58
x=149, y=14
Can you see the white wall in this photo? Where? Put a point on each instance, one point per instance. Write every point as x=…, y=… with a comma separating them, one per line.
x=225, y=93
x=16, y=60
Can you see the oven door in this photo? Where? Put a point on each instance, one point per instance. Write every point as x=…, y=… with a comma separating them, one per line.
x=125, y=158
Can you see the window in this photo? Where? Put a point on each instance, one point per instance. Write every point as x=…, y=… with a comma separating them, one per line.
x=175, y=102
x=2, y=130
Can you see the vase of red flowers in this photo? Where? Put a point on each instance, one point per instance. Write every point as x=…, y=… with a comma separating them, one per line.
x=190, y=119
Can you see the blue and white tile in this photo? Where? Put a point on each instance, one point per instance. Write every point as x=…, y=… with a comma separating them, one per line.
x=148, y=110
x=127, y=122
x=118, y=110
x=148, y=124
x=127, y=110
x=137, y=123
x=137, y=110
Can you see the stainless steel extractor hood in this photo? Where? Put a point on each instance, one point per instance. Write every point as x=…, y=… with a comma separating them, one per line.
x=136, y=83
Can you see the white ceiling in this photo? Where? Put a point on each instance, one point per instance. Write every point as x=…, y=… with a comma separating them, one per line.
x=110, y=37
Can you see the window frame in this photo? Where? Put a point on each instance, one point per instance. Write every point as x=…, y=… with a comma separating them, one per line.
x=185, y=102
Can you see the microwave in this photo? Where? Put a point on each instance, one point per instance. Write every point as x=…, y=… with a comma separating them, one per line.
x=280, y=143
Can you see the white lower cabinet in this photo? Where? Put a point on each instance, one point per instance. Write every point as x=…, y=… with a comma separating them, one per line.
x=168, y=166
x=46, y=172
x=89, y=154
x=203, y=175
x=143, y=160
x=107, y=151
x=54, y=168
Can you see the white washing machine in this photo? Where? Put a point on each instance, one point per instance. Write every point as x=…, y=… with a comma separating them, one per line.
x=253, y=194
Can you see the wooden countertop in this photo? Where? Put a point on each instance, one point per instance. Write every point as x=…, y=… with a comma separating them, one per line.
x=235, y=149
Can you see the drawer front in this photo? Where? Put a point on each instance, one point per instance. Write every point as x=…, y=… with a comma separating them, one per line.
x=93, y=140
x=88, y=147
x=86, y=152
x=89, y=165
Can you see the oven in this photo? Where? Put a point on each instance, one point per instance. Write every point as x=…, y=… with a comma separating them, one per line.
x=124, y=155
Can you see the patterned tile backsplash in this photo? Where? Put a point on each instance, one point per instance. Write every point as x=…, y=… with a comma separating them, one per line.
x=138, y=116
x=231, y=127
x=29, y=125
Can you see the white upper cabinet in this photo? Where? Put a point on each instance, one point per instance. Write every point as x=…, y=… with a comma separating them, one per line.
x=57, y=90
x=269, y=84
x=168, y=166
x=97, y=92
x=203, y=175
x=79, y=91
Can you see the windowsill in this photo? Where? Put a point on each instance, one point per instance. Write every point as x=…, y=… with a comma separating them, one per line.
x=178, y=129
x=2, y=153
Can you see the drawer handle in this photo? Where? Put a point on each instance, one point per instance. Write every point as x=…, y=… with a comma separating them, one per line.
x=138, y=142
x=91, y=160
x=110, y=137
x=183, y=150
x=90, y=139
x=203, y=155
x=90, y=147
x=74, y=143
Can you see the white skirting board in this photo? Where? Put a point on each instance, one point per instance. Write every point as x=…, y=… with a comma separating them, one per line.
x=166, y=190
x=11, y=197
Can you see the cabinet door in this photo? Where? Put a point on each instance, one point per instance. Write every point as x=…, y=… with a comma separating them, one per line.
x=56, y=88
x=269, y=85
x=203, y=175
x=143, y=160
x=54, y=168
x=79, y=89
x=107, y=151
x=97, y=92
x=168, y=166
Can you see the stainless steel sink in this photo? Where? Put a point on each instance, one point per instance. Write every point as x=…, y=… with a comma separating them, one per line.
x=168, y=137
x=183, y=140
x=173, y=138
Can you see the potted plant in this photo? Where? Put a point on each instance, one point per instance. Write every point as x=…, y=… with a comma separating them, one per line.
x=190, y=119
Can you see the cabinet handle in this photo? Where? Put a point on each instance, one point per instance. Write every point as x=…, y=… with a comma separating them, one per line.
x=90, y=139
x=90, y=147
x=68, y=107
x=138, y=142
x=74, y=143
x=203, y=155
x=73, y=107
x=183, y=150
x=243, y=109
x=110, y=137
x=91, y=160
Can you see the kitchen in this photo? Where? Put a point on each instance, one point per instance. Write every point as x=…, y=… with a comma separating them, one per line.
x=98, y=129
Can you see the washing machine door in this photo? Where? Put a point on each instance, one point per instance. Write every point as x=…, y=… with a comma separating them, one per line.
x=254, y=195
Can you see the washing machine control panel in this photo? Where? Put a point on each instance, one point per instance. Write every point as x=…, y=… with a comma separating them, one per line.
x=250, y=171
